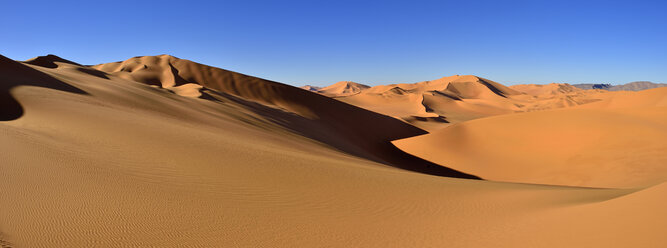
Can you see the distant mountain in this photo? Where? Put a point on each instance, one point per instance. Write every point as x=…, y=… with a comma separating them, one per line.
x=593, y=86
x=633, y=86
x=637, y=86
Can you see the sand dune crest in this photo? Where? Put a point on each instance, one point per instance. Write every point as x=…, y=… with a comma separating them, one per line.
x=158, y=151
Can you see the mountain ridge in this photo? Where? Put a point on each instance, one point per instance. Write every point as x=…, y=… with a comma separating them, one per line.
x=631, y=86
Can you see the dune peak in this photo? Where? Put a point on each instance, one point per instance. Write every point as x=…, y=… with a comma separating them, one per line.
x=343, y=88
x=288, y=167
x=49, y=61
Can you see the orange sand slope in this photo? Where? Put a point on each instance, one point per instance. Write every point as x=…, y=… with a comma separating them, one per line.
x=347, y=128
x=343, y=88
x=619, y=142
x=115, y=156
x=435, y=104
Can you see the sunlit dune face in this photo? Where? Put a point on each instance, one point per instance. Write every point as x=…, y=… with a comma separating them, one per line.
x=164, y=152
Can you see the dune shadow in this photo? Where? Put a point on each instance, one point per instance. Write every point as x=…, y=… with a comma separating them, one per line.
x=48, y=61
x=439, y=119
x=14, y=74
x=93, y=72
x=381, y=151
x=4, y=243
x=341, y=126
x=450, y=96
x=178, y=80
x=492, y=88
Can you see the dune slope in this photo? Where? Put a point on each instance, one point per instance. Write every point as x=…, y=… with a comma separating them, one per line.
x=345, y=127
x=435, y=104
x=619, y=142
x=126, y=164
x=13, y=74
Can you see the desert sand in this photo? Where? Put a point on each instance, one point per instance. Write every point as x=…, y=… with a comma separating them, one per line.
x=435, y=104
x=162, y=151
x=620, y=142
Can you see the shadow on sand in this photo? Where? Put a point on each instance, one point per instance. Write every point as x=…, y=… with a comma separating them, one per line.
x=374, y=149
x=14, y=74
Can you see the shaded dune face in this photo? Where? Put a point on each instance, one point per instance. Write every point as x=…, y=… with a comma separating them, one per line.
x=49, y=61
x=162, y=152
x=345, y=127
x=515, y=148
x=14, y=74
x=363, y=133
x=474, y=87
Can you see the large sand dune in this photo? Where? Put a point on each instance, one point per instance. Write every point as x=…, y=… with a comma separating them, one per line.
x=619, y=142
x=159, y=151
x=436, y=104
x=347, y=128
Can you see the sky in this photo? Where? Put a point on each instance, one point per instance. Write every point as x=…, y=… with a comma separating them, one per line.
x=371, y=42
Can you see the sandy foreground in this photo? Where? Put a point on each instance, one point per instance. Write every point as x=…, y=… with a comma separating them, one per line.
x=159, y=151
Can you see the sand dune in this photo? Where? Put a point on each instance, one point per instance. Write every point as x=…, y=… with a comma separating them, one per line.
x=545, y=89
x=15, y=74
x=435, y=104
x=554, y=96
x=347, y=128
x=652, y=98
x=619, y=142
x=343, y=88
x=159, y=151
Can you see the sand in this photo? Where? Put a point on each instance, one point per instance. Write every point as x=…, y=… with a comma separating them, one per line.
x=436, y=104
x=182, y=154
x=619, y=142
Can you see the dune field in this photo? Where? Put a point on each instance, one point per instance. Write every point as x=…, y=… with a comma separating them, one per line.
x=161, y=151
x=435, y=104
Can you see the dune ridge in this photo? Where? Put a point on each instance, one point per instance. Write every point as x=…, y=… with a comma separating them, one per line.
x=347, y=128
x=343, y=88
x=123, y=159
x=13, y=74
x=435, y=104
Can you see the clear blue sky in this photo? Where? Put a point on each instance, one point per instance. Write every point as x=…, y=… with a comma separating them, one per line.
x=372, y=42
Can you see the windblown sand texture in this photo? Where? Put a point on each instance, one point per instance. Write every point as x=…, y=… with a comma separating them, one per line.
x=161, y=151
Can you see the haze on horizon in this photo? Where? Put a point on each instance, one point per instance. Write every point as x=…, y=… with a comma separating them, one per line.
x=370, y=42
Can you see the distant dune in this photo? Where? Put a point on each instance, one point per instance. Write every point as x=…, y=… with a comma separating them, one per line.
x=436, y=104
x=545, y=89
x=341, y=89
x=157, y=151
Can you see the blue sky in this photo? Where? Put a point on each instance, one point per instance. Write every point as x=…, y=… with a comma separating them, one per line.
x=372, y=42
